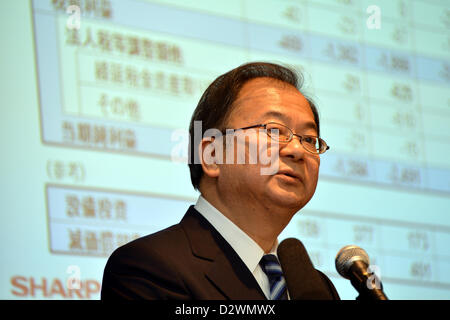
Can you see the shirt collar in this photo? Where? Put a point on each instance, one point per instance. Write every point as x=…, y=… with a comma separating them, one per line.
x=246, y=248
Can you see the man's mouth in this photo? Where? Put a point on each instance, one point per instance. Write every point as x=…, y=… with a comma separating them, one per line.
x=289, y=173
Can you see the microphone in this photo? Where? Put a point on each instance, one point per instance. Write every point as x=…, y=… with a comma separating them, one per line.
x=352, y=262
x=303, y=281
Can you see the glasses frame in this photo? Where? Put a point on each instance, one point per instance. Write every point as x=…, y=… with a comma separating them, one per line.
x=292, y=134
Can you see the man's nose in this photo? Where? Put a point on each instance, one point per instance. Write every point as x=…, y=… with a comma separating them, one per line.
x=293, y=149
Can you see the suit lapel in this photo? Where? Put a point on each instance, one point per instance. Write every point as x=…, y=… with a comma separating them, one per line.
x=221, y=264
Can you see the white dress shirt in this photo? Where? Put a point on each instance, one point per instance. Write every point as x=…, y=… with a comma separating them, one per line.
x=246, y=248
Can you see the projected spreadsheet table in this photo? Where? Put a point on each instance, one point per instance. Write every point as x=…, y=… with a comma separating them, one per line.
x=125, y=83
x=127, y=78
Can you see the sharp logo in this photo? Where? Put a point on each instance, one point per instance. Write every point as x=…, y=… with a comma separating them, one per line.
x=41, y=288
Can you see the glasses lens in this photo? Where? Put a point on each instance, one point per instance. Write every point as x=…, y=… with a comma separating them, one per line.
x=322, y=146
x=275, y=130
x=282, y=133
x=311, y=144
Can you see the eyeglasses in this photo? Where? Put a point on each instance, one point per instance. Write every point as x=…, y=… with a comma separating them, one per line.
x=283, y=134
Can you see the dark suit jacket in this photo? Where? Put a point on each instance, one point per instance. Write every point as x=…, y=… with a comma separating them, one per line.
x=190, y=260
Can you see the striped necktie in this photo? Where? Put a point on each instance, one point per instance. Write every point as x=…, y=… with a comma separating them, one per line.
x=270, y=265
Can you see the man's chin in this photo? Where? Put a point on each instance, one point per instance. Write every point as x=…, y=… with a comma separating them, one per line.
x=288, y=200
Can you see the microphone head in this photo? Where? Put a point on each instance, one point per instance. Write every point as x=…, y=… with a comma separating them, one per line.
x=346, y=256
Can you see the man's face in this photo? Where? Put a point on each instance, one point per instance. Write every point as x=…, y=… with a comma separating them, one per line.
x=260, y=101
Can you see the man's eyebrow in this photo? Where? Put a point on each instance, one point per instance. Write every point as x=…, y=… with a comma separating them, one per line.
x=310, y=125
x=281, y=116
x=274, y=114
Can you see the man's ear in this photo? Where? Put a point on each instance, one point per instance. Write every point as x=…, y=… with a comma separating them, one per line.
x=209, y=156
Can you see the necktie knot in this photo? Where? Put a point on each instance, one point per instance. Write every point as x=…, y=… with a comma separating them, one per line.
x=271, y=267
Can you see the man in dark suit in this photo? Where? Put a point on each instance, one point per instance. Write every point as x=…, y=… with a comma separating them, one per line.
x=225, y=247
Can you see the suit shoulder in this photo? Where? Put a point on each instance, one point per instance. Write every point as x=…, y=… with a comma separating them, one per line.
x=147, y=267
